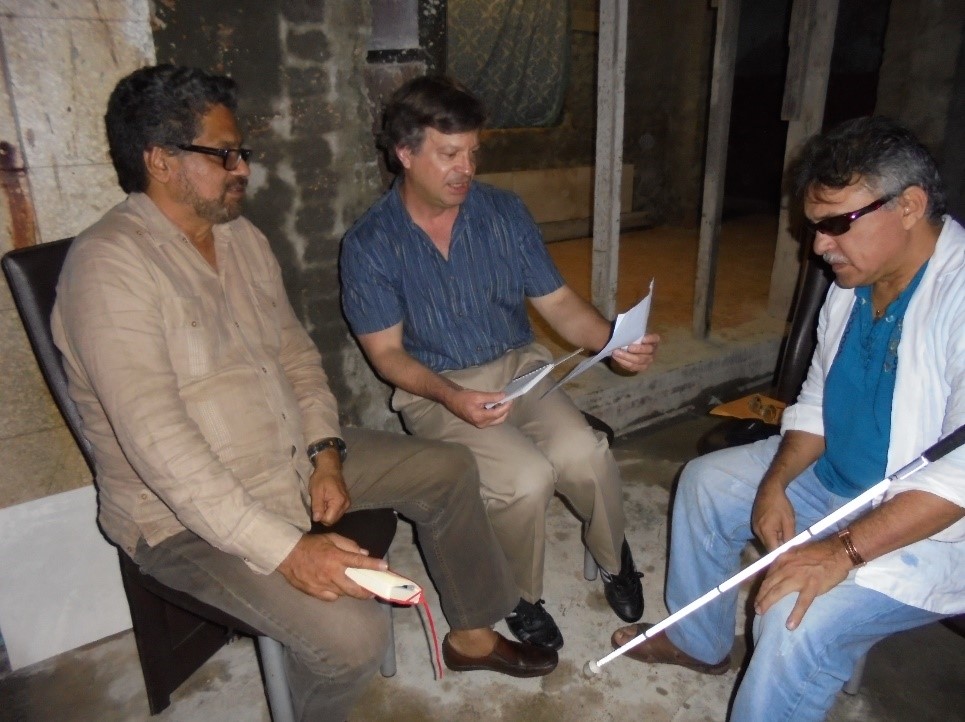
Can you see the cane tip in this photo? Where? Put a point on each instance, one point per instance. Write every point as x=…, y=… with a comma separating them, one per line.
x=591, y=669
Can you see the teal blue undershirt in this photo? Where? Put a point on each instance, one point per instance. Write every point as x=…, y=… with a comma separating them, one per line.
x=858, y=394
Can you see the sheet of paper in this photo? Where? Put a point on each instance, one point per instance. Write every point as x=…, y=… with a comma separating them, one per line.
x=629, y=327
x=522, y=384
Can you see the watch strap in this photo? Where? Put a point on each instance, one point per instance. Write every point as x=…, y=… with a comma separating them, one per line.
x=332, y=442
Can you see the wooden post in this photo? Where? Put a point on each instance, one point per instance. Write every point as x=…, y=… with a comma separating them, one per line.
x=811, y=41
x=611, y=79
x=718, y=127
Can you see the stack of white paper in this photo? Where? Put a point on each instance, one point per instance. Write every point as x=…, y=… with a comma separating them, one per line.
x=629, y=327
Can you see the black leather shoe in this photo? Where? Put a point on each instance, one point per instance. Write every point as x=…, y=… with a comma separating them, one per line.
x=532, y=624
x=623, y=591
x=507, y=657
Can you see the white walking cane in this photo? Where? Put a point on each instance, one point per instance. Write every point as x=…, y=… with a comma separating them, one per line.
x=943, y=447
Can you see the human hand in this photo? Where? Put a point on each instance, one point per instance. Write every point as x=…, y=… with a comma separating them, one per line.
x=772, y=516
x=810, y=570
x=317, y=563
x=470, y=406
x=326, y=487
x=637, y=356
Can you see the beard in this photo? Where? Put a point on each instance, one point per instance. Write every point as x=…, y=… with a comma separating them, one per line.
x=216, y=210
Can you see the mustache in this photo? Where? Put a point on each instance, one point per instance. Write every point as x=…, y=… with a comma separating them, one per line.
x=238, y=184
x=831, y=258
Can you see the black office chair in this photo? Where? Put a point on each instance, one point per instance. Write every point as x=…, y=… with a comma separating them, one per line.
x=174, y=632
x=792, y=367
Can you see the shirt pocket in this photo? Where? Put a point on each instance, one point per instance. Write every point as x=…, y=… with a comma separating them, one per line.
x=193, y=337
x=267, y=317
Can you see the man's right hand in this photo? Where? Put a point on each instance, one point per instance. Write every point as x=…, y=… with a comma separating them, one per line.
x=772, y=517
x=317, y=566
x=470, y=406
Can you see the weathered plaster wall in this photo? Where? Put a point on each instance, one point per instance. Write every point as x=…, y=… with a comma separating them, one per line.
x=921, y=80
x=60, y=62
x=669, y=52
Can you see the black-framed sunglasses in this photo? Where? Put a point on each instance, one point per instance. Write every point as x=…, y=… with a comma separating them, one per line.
x=230, y=157
x=838, y=225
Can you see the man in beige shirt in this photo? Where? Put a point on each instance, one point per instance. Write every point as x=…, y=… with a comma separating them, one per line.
x=215, y=435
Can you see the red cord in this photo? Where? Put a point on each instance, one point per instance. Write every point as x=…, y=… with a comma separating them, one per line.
x=435, y=637
x=419, y=598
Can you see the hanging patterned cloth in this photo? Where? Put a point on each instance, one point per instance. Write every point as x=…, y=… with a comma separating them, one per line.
x=514, y=54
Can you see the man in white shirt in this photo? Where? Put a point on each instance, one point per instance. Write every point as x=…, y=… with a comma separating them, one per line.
x=886, y=382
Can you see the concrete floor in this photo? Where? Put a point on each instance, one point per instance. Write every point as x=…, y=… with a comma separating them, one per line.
x=915, y=676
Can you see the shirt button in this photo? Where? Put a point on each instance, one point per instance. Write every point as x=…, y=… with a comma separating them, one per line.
x=284, y=416
x=264, y=370
x=194, y=323
x=237, y=325
x=144, y=495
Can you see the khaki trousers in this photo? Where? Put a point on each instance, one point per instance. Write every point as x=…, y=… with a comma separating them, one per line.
x=334, y=648
x=544, y=447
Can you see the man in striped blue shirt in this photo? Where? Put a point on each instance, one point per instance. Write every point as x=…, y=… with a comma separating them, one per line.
x=435, y=278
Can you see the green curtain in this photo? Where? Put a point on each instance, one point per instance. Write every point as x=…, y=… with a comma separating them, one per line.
x=514, y=54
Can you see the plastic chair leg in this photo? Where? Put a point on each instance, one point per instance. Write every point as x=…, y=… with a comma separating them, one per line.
x=276, y=680
x=589, y=566
x=388, y=662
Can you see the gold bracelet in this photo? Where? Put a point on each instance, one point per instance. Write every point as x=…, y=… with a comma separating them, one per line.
x=845, y=536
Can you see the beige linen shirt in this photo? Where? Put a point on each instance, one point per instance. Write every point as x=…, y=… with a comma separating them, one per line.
x=199, y=389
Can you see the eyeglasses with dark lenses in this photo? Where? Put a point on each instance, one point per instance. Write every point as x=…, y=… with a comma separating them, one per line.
x=230, y=157
x=838, y=225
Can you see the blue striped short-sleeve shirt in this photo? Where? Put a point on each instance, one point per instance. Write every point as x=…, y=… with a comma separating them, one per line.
x=458, y=312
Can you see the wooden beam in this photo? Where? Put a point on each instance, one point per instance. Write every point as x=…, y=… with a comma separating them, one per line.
x=718, y=127
x=611, y=79
x=811, y=40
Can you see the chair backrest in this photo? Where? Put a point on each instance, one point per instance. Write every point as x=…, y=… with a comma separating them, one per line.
x=32, y=275
x=802, y=335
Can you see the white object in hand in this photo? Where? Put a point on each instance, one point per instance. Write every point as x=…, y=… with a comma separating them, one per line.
x=522, y=384
x=387, y=585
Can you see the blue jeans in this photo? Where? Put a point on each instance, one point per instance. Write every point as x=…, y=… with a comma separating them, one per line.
x=792, y=675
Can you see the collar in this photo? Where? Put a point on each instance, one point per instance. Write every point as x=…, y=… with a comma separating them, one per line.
x=161, y=229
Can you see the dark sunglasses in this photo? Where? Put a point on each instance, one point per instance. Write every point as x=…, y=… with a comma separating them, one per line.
x=230, y=157
x=837, y=225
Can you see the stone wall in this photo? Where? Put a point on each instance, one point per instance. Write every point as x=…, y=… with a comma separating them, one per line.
x=59, y=62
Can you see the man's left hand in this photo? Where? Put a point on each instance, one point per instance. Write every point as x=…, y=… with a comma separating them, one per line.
x=810, y=570
x=637, y=356
x=330, y=498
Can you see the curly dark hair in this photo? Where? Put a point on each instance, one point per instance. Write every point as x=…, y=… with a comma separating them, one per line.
x=430, y=101
x=159, y=106
x=884, y=154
